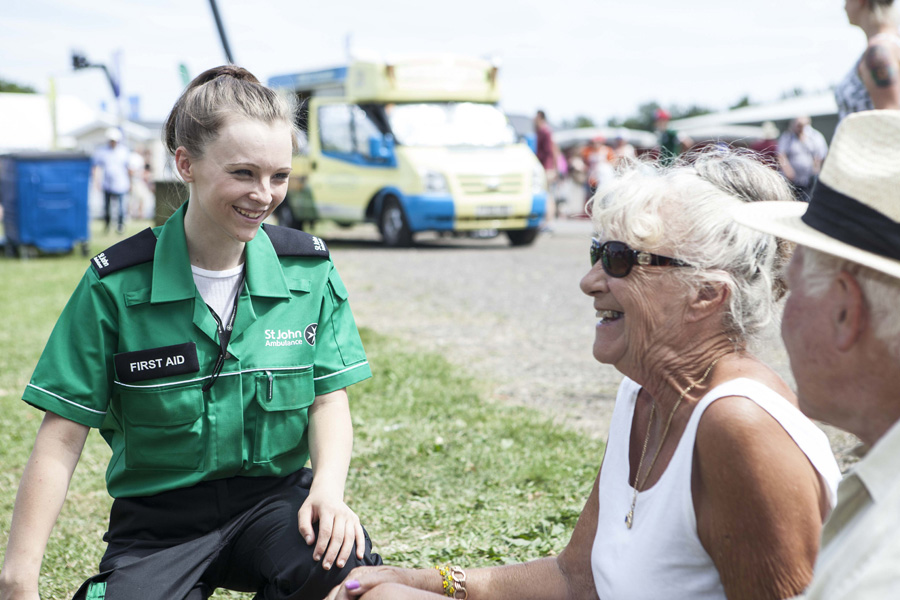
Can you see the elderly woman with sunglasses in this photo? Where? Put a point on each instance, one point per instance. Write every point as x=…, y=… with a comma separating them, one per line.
x=713, y=485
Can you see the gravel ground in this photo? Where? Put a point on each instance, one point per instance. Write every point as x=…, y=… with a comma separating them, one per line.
x=514, y=317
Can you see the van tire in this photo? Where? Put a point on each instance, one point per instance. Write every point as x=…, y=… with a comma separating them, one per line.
x=285, y=215
x=522, y=237
x=394, y=227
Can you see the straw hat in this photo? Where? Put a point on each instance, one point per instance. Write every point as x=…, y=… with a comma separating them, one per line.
x=854, y=212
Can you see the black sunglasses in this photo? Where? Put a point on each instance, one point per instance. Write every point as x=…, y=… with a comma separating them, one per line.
x=617, y=258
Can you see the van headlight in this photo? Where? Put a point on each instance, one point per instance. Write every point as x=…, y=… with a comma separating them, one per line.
x=538, y=179
x=434, y=182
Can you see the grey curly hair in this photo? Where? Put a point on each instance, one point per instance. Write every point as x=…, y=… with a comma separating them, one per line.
x=685, y=209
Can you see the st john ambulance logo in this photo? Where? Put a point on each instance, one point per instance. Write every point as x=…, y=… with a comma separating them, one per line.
x=310, y=333
x=101, y=261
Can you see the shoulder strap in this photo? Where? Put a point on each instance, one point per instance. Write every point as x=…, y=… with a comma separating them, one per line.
x=133, y=251
x=293, y=242
x=808, y=437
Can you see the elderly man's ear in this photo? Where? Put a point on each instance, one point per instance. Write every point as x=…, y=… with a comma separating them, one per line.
x=848, y=311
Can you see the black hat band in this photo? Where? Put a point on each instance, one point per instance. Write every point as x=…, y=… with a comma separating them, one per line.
x=852, y=222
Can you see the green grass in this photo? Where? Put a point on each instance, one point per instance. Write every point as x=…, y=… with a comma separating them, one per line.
x=439, y=473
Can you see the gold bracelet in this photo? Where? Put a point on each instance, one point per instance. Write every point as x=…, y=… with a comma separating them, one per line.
x=459, y=583
x=453, y=582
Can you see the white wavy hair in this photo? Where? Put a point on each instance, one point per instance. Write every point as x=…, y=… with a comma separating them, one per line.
x=881, y=292
x=685, y=209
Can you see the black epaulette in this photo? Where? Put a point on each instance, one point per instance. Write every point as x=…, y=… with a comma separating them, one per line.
x=293, y=242
x=135, y=250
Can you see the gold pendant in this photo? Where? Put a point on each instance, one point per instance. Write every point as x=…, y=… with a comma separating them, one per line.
x=629, y=518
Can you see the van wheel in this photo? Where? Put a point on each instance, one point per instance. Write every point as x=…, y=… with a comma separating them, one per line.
x=286, y=217
x=522, y=237
x=395, y=231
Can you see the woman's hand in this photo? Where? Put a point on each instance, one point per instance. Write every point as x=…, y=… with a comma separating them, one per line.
x=363, y=579
x=330, y=444
x=339, y=528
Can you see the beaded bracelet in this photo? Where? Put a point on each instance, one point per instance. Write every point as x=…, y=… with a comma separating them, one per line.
x=454, y=582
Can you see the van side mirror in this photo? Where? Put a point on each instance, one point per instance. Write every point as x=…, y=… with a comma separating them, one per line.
x=381, y=148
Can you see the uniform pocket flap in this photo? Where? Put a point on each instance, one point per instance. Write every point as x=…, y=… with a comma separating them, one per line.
x=298, y=285
x=285, y=390
x=136, y=297
x=162, y=406
x=337, y=286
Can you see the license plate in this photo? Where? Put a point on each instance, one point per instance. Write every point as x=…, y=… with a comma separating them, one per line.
x=492, y=211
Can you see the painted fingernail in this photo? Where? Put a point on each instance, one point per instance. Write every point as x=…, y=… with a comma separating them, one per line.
x=352, y=585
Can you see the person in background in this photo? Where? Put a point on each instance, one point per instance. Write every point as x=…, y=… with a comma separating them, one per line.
x=112, y=172
x=549, y=156
x=571, y=189
x=713, y=485
x=213, y=354
x=139, y=198
x=670, y=143
x=874, y=80
x=801, y=150
x=623, y=152
x=841, y=328
x=766, y=148
x=598, y=160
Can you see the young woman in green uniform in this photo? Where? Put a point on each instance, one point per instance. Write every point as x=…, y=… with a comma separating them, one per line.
x=213, y=355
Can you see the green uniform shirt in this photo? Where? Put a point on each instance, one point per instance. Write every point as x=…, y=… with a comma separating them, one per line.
x=134, y=347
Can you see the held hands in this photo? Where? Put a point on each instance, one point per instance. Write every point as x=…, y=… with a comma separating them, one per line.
x=364, y=579
x=339, y=528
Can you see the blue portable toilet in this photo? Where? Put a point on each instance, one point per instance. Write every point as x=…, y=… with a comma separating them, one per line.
x=45, y=202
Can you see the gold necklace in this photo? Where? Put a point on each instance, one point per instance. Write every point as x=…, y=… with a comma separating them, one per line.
x=629, y=518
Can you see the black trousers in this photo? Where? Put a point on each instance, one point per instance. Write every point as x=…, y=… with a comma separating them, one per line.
x=239, y=534
x=108, y=197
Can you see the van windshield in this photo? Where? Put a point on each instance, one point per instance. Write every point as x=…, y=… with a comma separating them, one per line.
x=449, y=124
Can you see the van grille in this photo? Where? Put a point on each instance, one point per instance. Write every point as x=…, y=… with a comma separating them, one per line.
x=491, y=184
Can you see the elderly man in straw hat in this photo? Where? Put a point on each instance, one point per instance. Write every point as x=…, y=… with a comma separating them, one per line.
x=841, y=328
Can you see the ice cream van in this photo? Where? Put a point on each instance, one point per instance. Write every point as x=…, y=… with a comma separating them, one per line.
x=413, y=144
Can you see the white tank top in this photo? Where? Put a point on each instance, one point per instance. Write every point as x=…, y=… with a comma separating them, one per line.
x=661, y=556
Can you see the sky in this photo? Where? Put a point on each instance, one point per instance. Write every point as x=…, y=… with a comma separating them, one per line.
x=597, y=58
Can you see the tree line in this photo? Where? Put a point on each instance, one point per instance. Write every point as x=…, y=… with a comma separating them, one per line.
x=644, y=118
